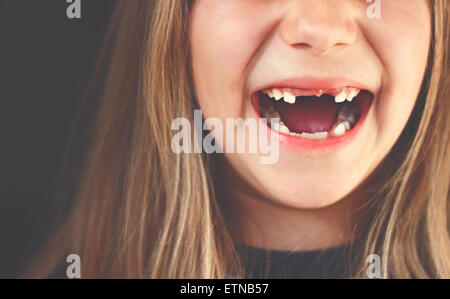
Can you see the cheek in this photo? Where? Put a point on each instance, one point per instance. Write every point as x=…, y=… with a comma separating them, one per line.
x=401, y=40
x=224, y=37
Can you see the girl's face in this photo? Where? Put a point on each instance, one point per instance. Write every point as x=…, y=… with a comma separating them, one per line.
x=247, y=54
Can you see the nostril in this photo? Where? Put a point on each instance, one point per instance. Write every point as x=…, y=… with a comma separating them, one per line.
x=319, y=44
x=302, y=46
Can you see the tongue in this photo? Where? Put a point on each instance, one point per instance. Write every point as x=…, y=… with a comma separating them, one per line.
x=309, y=114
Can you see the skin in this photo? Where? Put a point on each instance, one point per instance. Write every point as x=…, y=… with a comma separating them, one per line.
x=240, y=46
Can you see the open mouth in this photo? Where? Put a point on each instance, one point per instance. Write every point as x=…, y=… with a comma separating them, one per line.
x=313, y=114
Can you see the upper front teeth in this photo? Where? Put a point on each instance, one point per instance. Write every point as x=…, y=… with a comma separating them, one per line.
x=277, y=94
x=353, y=93
x=289, y=98
x=340, y=97
x=347, y=94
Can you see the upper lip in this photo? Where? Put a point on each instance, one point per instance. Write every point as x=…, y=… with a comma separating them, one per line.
x=314, y=84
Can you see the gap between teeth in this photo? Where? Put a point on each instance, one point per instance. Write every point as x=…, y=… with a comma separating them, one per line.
x=347, y=94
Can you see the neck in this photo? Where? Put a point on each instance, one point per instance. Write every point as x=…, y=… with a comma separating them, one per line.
x=261, y=222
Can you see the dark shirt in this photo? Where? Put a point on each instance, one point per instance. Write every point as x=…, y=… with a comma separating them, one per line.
x=262, y=263
x=328, y=263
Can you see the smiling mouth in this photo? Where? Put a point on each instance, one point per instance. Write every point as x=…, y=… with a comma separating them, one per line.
x=313, y=114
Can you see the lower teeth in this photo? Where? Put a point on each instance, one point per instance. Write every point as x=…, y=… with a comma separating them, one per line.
x=346, y=120
x=341, y=128
x=281, y=127
x=313, y=136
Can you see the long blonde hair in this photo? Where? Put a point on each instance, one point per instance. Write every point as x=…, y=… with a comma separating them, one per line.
x=139, y=210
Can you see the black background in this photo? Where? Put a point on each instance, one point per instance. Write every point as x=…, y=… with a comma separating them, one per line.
x=46, y=61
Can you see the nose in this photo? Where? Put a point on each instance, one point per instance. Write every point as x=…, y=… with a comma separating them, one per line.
x=319, y=26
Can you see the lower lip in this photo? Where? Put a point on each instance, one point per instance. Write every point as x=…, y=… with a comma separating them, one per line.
x=304, y=145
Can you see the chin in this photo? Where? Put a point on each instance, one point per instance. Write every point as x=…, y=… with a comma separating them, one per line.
x=308, y=195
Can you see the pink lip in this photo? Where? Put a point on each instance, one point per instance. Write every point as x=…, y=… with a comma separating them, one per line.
x=304, y=145
x=309, y=83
